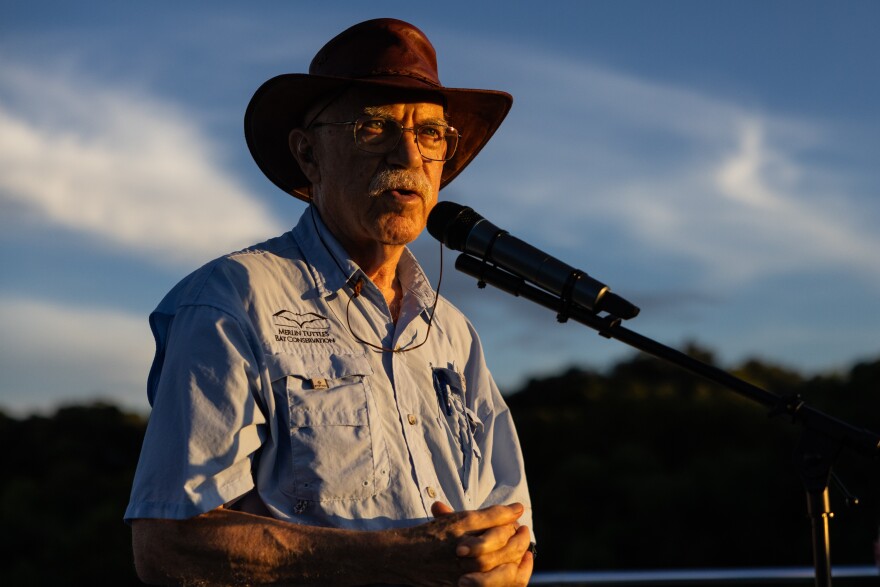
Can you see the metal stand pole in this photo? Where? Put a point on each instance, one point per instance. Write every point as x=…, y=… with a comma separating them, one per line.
x=815, y=457
x=819, y=508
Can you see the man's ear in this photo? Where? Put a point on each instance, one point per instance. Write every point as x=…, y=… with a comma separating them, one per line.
x=300, y=143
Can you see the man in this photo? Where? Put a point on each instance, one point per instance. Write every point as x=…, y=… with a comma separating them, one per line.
x=320, y=415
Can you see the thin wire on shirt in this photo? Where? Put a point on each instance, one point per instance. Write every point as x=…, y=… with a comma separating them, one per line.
x=358, y=286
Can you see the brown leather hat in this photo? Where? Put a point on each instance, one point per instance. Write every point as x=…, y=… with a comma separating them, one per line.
x=383, y=53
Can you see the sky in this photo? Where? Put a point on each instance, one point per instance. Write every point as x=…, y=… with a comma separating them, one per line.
x=716, y=163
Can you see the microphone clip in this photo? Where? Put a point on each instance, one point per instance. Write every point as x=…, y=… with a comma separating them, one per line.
x=565, y=298
x=484, y=261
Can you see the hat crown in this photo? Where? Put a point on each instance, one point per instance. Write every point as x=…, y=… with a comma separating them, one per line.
x=380, y=48
x=385, y=55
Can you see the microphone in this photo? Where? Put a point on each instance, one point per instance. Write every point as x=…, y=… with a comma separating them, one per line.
x=462, y=229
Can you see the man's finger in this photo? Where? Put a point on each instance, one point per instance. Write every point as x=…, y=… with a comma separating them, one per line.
x=459, y=524
x=507, y=575
x=526, y=566
x=492, y=516
x=510, y=553
x=488, y=541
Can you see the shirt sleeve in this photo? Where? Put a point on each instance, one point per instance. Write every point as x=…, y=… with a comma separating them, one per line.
x=206, y=425
x=502, y=470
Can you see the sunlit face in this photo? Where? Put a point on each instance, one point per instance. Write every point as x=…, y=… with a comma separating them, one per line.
x=368, y=198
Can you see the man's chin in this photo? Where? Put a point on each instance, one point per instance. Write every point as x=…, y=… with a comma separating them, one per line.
x=401, y=230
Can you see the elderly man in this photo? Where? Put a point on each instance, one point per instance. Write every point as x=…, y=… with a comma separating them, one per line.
x=320, y=414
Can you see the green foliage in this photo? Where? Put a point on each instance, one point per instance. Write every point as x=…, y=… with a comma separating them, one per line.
x=642, y=466
x=648, y=466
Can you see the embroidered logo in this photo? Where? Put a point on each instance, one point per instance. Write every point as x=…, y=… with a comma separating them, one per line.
x=308, y=328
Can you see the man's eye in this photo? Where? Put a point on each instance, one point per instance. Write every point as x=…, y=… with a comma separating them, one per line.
x=375, y=125
x=431, y=132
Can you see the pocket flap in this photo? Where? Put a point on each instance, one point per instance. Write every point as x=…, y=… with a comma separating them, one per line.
x=317, y=366
x=323, y=389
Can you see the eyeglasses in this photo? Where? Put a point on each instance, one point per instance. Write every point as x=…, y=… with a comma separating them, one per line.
x=436, y=142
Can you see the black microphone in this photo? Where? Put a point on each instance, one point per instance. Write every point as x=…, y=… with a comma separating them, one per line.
x=462, y=229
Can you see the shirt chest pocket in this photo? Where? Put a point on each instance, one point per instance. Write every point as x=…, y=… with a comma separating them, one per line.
x=336, y=450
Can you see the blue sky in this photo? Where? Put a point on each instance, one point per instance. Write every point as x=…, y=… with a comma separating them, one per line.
x=714, y=162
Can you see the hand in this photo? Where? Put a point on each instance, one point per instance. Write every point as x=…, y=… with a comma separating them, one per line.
x=431, y=558
x=497, y=556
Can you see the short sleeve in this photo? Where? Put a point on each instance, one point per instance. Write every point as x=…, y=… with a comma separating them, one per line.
x=207, y=425
x=502, y=469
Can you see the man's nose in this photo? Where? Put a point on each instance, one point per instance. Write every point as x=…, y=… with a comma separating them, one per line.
x=406, y=154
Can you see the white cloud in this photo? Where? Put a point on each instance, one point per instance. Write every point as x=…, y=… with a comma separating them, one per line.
x=121, y=166
x=767, y=183
x=747, y=213
x=678, y=172
x=58, y=353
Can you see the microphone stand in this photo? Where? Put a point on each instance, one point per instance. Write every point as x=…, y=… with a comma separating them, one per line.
x=824, y=437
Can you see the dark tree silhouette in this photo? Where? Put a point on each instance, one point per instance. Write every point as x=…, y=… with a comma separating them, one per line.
x=647, y=466
x=639, y=466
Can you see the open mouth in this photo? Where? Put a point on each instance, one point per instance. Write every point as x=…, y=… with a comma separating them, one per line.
x=404, y=193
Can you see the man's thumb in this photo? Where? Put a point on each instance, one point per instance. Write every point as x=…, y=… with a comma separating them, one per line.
x=438, y=508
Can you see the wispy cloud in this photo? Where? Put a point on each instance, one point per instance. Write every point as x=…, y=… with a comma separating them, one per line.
x=121, y=166
x=747, y=212
x=715, y=182
x=799, y=223
x=54, y=352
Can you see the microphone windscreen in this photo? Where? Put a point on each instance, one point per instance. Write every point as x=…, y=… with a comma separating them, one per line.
x=451, y=223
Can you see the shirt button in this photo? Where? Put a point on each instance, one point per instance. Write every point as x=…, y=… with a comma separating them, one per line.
x=412, y=419
x=430, y=491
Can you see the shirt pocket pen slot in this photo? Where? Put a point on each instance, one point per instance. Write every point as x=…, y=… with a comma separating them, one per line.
x=462, y=422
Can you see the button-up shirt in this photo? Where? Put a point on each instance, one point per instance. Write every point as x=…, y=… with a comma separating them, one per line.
x=259, y=383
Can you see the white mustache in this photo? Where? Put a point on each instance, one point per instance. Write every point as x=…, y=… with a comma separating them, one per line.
x=398, y=179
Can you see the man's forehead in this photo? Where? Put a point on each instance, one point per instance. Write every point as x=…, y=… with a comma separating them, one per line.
x=386, y=101
x=422, y=111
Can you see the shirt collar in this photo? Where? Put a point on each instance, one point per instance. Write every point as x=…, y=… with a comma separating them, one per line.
x=414, y=281
x=332, y=267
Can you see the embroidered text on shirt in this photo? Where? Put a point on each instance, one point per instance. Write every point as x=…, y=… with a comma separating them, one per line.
x=298, y=327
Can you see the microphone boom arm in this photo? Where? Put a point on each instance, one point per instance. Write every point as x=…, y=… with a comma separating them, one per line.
x=823, y=435
x=609, y=326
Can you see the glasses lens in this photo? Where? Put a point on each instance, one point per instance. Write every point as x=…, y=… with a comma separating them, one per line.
x=380, y=135
x=437, y=142
x=376, y=135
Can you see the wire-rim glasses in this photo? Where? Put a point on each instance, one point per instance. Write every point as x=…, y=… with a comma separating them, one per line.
x=435, y=141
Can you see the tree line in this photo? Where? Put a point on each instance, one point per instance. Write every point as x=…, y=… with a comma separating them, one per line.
x=648, y=466
x=640, y=465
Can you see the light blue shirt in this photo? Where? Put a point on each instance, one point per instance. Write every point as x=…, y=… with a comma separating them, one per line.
x=258, y=383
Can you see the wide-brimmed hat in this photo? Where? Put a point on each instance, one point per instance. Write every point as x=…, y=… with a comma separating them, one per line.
x=381, y=53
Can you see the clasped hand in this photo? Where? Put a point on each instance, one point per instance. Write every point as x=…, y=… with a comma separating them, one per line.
x=484, y=547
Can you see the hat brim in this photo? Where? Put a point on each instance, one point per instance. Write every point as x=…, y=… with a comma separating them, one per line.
x=278, y=106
